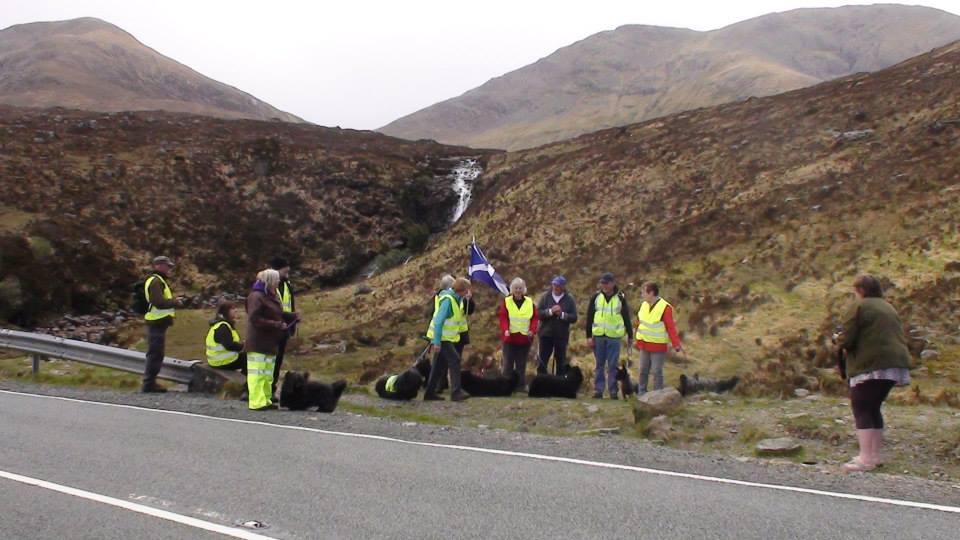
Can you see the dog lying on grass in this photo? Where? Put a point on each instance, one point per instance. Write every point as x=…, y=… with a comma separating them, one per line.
x=299, y=393
x=693, y=385
x=497, y=386
x=404, y=386
x=566, y=385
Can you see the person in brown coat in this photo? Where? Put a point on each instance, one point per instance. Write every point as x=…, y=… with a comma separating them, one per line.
x=267, y=326
x=877, y=359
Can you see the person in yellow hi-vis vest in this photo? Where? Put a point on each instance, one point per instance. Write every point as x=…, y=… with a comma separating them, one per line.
x=288, y=302
x=223, y=344
x=518, y=326
x=655, y=329
x=267, y=324
x=443, y=332
x=608, y=318
x=160, y=314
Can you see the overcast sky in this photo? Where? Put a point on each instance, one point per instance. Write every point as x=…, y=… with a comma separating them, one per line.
x=363, y=63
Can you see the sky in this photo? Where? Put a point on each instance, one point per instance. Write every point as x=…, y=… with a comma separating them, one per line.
x=361, y=63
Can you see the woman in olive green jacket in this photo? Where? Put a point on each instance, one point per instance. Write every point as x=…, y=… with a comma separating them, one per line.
x=877, y=359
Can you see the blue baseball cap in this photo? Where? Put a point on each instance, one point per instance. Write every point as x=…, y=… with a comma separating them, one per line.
x=558, y=280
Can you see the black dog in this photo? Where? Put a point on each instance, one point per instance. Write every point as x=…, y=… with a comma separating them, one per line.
x=488, y=386
x=693, y=385
x=405, y=385
x=299, y=393
x=627, y=387
x=566, y=385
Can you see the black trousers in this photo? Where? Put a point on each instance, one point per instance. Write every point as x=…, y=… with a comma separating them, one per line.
x=557, y=346
x=156, y=343
x=866, y=399
x=448, y=360
x=281, y=348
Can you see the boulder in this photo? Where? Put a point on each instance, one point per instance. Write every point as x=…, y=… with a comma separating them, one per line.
x=929, y=354
x=782, y=446
x=656, y=403
x=659, y=428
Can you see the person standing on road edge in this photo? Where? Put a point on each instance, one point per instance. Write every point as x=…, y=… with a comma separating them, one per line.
x=267, y=325
x=608, y=317
x=443, y=332
x=518, y=326
x=289, y=304
x=557, y=311
x=655, y=329
x=158, y=318
x=877, y=360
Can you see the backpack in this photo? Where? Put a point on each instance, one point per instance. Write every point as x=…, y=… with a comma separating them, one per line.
x=140, y=304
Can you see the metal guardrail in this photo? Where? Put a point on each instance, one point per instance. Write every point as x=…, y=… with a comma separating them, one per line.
x=196, y=375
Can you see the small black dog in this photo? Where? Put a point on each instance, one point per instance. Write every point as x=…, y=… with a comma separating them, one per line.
x=627, y=387
x=299, y=393
x=498, y=386
x=566, y=385
x=405, y=385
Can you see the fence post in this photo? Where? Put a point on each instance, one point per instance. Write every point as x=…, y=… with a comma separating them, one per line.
x=36, y=363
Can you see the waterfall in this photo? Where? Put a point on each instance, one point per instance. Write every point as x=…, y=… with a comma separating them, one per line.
x=463, y=176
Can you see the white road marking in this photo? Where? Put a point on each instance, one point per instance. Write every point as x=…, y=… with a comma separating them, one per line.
x=139, y=508
x=541, y=457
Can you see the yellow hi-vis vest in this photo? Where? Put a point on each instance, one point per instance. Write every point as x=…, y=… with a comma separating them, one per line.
x=607, y=319
x=286, y=298
x=464, y=323
x=391, y=383
x=519, y=317
x=452, y=324
x=154, y=313
x=651, y=328
x=217, y=354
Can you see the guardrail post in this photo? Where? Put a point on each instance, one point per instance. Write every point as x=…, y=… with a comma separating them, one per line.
x=36, y=363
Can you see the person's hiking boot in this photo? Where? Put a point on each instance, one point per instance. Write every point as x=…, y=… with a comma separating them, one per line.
x=245, y=396
x=152, y=388
x=459, y=396
x=613, y=396
x=598, y=395
x=432, y=397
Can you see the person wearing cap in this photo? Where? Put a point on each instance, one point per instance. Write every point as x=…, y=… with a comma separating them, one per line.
x=289, y=305
x=655, y=329
x=608, y=317
x=159, y=316
x=557, y=310
x=518, y=325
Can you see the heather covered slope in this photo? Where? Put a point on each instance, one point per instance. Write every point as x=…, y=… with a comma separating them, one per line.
x=639, y=72
x=93, y=65
x=88, y=198
x=756, y=216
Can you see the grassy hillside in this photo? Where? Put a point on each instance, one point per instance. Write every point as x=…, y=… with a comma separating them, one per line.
x=93, y=65
x=638, y=72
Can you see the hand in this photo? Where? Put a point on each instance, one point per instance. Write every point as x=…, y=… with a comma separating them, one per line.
x=506, y=333
x=555, y=310
x=590, y=342
x=678, y=349
x=434, y=349
x=283, y=326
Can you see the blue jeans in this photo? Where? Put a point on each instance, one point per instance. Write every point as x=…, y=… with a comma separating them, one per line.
x=607, y=352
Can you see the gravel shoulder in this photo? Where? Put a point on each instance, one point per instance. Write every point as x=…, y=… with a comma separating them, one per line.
x=612, y=449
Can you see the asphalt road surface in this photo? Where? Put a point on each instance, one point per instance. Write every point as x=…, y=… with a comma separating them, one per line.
x=302, y=483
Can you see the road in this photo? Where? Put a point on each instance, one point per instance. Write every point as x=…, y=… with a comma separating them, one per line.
x=305, y=483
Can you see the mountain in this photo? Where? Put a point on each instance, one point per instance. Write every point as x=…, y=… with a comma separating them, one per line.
x=89, y=198
x=636, y=73
x=93, y=65
x=754, y=216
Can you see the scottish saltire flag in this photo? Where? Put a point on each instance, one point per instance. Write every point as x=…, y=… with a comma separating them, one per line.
x=481, y=270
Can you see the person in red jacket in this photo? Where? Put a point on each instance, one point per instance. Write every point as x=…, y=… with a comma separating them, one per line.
x=656, y=330
x=518, y=326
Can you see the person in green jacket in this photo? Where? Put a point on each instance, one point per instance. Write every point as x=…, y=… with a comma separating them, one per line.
x=877, y=359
